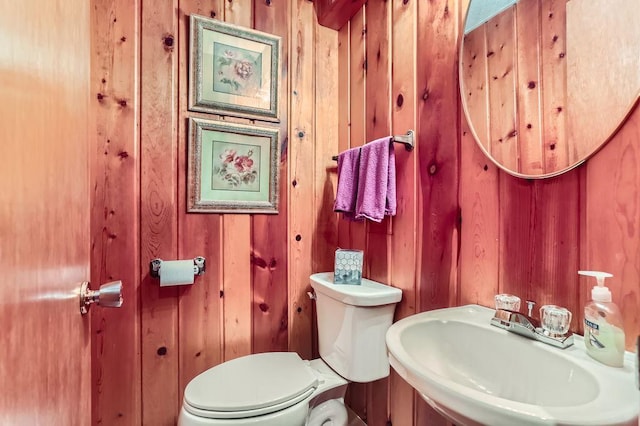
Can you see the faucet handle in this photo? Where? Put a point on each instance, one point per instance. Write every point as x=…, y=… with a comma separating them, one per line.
x=530, y=305
x=555, y=320
x=507, y=301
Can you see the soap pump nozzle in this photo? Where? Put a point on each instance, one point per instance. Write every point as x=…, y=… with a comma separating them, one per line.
x=599, y=293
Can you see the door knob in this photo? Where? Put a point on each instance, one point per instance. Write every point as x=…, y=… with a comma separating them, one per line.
x=109, y=295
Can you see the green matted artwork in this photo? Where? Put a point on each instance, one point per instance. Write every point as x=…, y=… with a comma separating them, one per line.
x=233, y=70
x=232, y=168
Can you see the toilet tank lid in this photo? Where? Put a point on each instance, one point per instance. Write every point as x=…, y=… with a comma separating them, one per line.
x=369, y=293
x=251, y=382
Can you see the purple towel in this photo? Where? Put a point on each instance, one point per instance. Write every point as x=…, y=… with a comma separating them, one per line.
x=376, y=193
x=346, y=193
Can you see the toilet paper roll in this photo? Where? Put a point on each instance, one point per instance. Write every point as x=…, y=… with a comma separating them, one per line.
x=176, y=272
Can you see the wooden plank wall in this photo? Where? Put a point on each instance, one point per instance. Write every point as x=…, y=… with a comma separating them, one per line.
x=464, y=230
x=473, y=230
x=115, y=208
x=401, y=76
x=252, y=297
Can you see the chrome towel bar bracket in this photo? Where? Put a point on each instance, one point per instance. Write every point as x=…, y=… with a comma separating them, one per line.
x=407, y=140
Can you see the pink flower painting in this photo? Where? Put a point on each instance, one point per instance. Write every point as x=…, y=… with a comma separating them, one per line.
x=237, y=71
x=235, y=170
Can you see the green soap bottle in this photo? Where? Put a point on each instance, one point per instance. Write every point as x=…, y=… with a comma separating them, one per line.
x=603, y=324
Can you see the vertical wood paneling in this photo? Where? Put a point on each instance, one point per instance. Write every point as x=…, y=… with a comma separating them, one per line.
x=378, y=124
x=325, y=234
x=357, y=110
x=612, y=223
x=534, y=226
x=529, y=123
x=181, y=336
x=302, y=170
x=438, y=156
x=344, y=113
x=326, y=145
x=158, y=215
x=501, y=62
x=554, y=76
x=437, y=94
x=479, y=198
x=239, y=12
x=357, y=239
x=479, y=202
x=114, y=210
x=475, y=93
x=404, y=247
x=236, y=271
x=269, y=232
x=404, y=109
x=194, y=325
x=200, y=306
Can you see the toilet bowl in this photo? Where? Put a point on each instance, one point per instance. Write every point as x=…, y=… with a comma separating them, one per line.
x=280, y=388
x=273, y=388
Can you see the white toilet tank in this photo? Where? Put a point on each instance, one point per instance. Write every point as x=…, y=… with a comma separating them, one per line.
x=352, y=323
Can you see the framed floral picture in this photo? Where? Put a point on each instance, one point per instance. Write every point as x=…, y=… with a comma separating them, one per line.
x=232, y=168
x=233, y=70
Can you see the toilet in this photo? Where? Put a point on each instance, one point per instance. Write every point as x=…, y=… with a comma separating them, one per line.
x=280, y=388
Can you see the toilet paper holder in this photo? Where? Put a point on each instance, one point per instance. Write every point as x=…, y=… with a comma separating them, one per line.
x=199, y=266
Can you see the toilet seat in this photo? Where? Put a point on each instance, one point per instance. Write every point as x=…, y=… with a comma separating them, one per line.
x=254, y=385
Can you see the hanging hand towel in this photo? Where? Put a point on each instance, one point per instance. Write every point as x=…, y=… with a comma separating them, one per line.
x=346, y=193
x=376, y=193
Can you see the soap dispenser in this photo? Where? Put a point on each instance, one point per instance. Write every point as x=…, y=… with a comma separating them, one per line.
x=603, y=326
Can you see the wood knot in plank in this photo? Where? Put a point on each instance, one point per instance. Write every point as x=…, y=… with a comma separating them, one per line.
x=168, y=42
x=258, y=261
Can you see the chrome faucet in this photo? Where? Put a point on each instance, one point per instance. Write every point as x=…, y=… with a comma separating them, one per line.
x=527, y=326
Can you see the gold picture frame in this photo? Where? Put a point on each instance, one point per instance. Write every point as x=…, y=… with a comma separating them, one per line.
x=232, y=168
x=233, y=70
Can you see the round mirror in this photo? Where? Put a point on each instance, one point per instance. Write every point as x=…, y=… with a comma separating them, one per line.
x=545, y=83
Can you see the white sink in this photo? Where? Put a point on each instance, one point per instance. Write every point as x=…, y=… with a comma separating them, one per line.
x=478, y=374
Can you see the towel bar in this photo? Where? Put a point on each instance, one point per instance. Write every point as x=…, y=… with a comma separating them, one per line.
x=406, y=140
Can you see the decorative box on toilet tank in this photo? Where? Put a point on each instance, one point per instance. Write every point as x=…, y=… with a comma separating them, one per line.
x=348, y=267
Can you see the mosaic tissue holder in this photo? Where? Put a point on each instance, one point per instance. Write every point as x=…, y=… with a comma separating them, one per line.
x=348, y=267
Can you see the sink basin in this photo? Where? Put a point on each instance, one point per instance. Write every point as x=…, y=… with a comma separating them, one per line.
x=477, y=374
